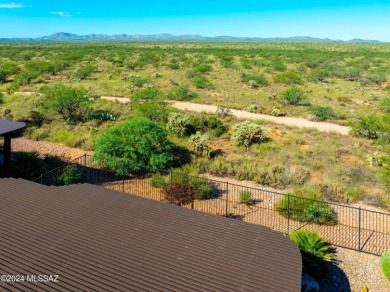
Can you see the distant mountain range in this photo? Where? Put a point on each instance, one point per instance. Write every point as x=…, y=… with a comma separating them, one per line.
x=65, y=37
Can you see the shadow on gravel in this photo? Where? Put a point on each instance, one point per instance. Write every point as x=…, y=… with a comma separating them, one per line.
x=335, y=279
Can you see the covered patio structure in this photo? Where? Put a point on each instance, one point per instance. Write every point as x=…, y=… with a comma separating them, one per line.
x=8, y=129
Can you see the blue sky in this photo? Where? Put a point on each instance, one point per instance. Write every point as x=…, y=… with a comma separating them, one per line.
x=326, y=19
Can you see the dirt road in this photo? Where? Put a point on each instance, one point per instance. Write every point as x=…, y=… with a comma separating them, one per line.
x=289, y=121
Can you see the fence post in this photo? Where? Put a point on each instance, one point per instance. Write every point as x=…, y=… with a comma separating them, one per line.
x=41, y=179
x=227, y=199
x=288, y=213
x=359, y=247
x=85, y=168
x=123, y=177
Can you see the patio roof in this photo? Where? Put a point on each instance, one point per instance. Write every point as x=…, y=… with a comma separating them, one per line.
x=94, y=238
x=8, y=127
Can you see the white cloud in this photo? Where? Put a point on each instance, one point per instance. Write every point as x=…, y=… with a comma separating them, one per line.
x=60, y=13
x=11, y=5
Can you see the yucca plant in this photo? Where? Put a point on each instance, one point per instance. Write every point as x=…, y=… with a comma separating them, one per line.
x=314, y=251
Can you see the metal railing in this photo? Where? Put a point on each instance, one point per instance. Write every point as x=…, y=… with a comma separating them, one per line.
x=341, y=225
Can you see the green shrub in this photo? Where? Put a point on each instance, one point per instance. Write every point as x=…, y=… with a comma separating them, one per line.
x=288, y=77
x=198, y=70
x=202, y=82
x=181, y=93
x=69, y=175
x=84, y=71
x=202, y=188
x=246, y=198
x=246, y=133
x=314, y=251
x=372, y=126
x=147, y=94
x=323, y=113
x=304, y=205
x=385, y=104
x=158, y=181
x=294, y=95
x=385, y=264
x=135, y=143
x=154, y=110
x=257, y=79
x=204, y=124
x=1, y=98
x=3, y=76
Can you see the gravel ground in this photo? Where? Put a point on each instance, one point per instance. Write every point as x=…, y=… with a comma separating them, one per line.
x=353, y=271
x=22, y=144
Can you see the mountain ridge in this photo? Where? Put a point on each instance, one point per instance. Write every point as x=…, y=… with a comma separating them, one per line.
x=66, y=36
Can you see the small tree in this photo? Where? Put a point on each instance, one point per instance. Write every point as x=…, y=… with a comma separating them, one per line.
x=294, y=95
x=135, y=143
x=177, y=123
x=245, y=133
x=72, y=103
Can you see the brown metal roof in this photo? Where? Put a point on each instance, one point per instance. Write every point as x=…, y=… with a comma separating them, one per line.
x=99, y=239
x=7, y=126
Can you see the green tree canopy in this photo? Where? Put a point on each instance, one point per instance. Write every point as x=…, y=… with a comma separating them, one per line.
x=134, y=143
x=72, y=103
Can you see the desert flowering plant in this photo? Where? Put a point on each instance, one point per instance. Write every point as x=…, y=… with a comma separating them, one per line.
x=70, y=174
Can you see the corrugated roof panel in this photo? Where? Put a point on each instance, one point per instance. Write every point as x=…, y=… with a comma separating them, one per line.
x=100, y=239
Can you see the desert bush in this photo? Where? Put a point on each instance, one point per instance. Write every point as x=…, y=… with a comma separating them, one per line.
x=198, y=70
x=84, y=71
x=288, y=77
x=3, y=76
x=177, y=123
x=197, y=143
x=147, y=94
x=314, y=250
x=385, y=264
x=181, y=93
x=257, y=79
x=304, y=205
x=278, y=65
x=277, y=112
x=205, y=124
x=246, y=198
x=202, y=82
x=157, y=180
x=385, y=104
x=178, y=194
x=293, y=95
x=318, y=75
x=154, y=110
x=376, y=160
x=246, y=133
x=323, y=113
x=372, y=126
x=202, y=188
x=72, y=103
x=135, y=143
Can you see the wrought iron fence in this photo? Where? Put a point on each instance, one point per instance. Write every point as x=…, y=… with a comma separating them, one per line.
x=341, y=225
